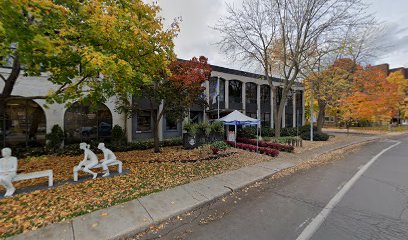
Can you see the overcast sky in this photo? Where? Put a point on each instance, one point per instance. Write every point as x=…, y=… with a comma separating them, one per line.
x=197, y=38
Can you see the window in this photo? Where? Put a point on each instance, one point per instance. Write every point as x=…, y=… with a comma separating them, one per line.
x=171, y=124
x=22, y=123
x=266, y=119
x=195, y=116
x=83, y=122
x=213, y=91
x=235, y=93
x=144, y=119
x=251, y=93
x=329, y=119
x=252, y=115
x=265, y=94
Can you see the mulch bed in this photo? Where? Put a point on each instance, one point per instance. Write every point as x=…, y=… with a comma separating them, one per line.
x=147, y=172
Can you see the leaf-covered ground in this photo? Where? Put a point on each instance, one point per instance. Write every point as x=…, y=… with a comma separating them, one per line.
x=148, y=172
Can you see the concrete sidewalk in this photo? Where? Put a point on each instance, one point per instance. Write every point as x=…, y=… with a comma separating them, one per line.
x=137, y=215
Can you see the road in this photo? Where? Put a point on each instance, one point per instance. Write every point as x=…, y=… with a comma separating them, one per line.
x=375, y=207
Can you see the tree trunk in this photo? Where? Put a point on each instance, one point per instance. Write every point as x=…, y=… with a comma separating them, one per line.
x=275, y=108
x=156, y=131
x=278, y=122
x=320, y=118
x=2, y=122
x=6, y=93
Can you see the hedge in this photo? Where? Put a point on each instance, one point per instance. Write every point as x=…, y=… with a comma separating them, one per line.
x=73, y=149
x=316, y=136
x=277, y=146
x=252, y=148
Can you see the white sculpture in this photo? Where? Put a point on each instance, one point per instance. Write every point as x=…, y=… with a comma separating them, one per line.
x=108, y=158
x=8, y=170
x=90, y=161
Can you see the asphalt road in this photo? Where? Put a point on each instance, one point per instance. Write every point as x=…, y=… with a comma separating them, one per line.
x=375, y=207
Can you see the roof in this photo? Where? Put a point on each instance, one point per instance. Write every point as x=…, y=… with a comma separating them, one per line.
x=242, y=73
x=237, y=118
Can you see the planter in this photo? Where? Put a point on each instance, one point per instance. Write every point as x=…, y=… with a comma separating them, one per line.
x=199, y=139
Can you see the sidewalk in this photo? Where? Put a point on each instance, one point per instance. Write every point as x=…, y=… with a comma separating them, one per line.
x=137, y=215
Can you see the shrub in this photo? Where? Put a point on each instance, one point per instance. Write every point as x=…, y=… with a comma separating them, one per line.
x=55, y=138
x=118, y=135
x=205, y=128
x=219, y=145
x=217, y=127
x=277, y=146
x=316, y=136
x=289, y=132
x=306, y=128
x=252, y=148
x=247, y=132
x=191, y=128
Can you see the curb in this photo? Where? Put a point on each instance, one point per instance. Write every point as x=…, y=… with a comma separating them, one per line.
x=127, y=219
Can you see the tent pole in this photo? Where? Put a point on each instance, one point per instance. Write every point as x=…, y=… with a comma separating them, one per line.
x=235, y=134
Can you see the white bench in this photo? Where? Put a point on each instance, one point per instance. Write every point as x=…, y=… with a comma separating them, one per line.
x=32, y=175
x=99, y=165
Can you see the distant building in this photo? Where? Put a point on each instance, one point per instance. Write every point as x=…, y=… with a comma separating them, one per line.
x=26, y=122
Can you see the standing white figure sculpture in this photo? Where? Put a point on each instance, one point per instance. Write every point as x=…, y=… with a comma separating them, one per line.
x=108, y=158
x=90, y=160
x=8, y=170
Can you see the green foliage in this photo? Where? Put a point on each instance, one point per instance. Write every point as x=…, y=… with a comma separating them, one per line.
x=247, y=132
x=217, y=127
x=191, y=128
x=118, y=135
x=283, y=140
x=250, y=132
x=219, y=145
x=205, y=128
x=55, y=138
x=316, y=136
x=73, y=149
x=76, y=42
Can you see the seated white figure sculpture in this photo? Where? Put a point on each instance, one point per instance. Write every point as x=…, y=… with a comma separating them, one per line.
x=8, y=170
x=90, y=160
x=108, y=158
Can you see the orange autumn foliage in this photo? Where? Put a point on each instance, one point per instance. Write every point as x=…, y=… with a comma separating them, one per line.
x=375, y=97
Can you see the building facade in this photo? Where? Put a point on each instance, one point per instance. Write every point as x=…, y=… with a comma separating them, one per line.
x=26, y=122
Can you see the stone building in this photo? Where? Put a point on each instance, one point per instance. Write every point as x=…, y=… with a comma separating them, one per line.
x=27, y=121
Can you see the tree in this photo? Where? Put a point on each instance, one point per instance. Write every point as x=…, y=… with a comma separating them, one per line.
x=401, y=85
x=91, y=50
x=330, y=86
x=375, y=97
x=176, y=92
x=282, y=35
x=248, y=33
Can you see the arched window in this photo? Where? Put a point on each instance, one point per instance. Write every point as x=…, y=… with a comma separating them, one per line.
x=84, y=123
x=22, y=123
x=235, y=94
x=265, y=94
x=251, y=93
x=213, y=92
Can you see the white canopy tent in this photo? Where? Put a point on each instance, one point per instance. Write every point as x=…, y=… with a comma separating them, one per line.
x=236, y=118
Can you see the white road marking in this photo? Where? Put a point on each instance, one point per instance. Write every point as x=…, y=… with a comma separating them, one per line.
x=310, y=229
x=302, y=224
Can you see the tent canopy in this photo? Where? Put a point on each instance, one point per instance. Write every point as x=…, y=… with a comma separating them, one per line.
x=237, y=118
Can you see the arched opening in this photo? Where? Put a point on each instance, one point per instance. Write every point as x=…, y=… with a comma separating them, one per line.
x=84, y=123
x=266, y=105
x=235, y=94
x=213, y=93
x=23, y=123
